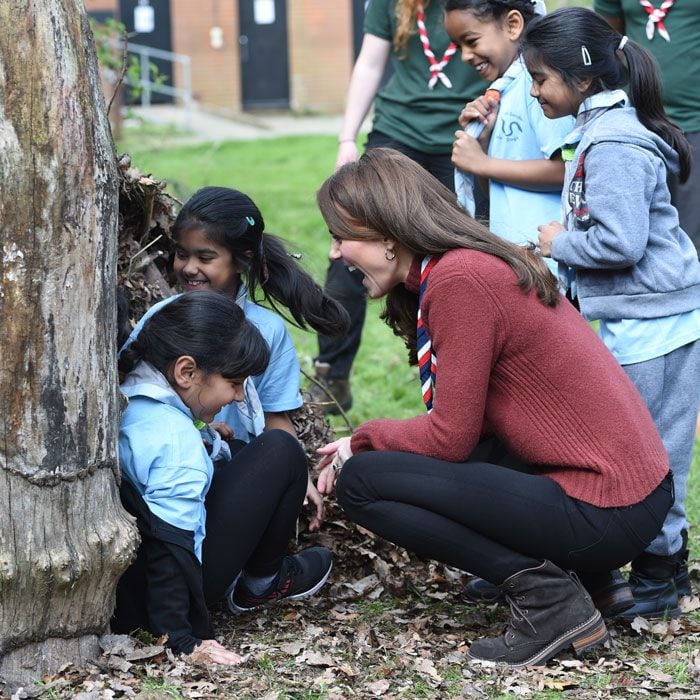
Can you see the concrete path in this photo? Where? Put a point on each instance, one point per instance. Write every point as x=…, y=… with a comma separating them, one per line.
x=201, y=127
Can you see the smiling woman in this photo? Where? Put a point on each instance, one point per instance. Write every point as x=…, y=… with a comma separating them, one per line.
x=524, y=466
x=377, y=259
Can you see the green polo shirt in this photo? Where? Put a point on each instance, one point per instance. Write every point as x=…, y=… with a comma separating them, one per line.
x=405, y=108
x=679, y=59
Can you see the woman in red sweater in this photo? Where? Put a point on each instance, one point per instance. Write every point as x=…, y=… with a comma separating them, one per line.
x=536, y=456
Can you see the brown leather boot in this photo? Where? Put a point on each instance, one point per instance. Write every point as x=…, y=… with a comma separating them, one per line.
x=610, y=592
x=329, y=393
x=550, y=610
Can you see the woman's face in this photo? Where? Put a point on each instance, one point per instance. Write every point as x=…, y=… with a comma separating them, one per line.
x=370, y=257
x=200, y=263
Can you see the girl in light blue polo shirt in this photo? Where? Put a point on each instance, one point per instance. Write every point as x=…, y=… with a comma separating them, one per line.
x=517, y=157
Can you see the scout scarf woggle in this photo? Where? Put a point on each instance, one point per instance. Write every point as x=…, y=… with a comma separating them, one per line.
x=656, y=17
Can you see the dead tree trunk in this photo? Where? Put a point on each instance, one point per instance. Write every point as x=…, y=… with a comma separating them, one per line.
x=64, y=538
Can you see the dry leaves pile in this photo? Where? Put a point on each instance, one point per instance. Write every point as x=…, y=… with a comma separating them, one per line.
x=146, y=215
x=388, y=625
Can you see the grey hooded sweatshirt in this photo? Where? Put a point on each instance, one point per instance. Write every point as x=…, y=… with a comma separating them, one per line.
x=623, y=240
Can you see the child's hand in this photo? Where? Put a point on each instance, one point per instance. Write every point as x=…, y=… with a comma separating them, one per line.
x=224, y=429
x=210, y=651
x=548, y=232
x=314, y=498
x=468, y=155
x=483, y=109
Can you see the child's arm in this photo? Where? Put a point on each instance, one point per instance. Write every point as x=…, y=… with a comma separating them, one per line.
x=618, y=189
x=538, y=174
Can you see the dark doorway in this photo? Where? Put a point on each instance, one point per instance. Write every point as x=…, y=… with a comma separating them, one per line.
x=159, y=38
x=264, y=55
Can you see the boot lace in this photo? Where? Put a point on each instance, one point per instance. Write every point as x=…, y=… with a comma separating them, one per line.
x=518, y=615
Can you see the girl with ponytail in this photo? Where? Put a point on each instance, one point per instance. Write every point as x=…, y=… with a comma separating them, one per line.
x=621, y=249
x=221, y=244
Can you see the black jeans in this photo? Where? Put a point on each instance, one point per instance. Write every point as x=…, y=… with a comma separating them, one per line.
x=346, y=287
x=492, y=520
x=252, y=507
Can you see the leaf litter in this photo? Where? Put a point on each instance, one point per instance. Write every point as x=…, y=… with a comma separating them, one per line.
x=397, y=629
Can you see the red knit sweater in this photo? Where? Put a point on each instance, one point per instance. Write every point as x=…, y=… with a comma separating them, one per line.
x=537, y=377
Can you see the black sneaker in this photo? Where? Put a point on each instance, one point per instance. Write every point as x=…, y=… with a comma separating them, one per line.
x=300, y=576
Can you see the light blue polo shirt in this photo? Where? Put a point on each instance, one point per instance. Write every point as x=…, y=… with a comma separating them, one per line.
x=276, y=390
x=522, y=132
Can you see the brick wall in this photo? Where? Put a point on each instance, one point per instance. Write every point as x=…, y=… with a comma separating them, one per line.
x=215, y=72
x=320, y=53
x=320, y=50
x=101, y=5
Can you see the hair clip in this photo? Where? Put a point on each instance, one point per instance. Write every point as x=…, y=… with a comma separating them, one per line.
x=585, y=56
x=539, y=7
x=622, y=43
x=250, y=220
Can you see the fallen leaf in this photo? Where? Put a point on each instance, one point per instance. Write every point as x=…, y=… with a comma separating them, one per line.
x=377, y=688
x=364, y=585
x=689, y=603
x=293, y=648
x=639, y=625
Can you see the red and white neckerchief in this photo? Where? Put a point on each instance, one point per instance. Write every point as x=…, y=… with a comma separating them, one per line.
x=656, y=17
x=427, y=361
x=435, y=66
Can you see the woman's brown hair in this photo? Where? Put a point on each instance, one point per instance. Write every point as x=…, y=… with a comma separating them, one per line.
x=386, y=194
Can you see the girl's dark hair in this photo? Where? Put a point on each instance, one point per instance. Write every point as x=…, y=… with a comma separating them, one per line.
x=386, y=194
x=560, y=40
x=493, y=9
x=207, y=325
x=230, y=219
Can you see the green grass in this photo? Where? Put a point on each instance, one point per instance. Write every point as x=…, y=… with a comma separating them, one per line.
x=282, y=176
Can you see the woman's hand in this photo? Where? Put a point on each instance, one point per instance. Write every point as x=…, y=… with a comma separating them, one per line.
x=224, y=429
x=347, y=153
x=548, y=232
x=210, y=651
x=468, y=154
x=315, y=499
x=335, y=454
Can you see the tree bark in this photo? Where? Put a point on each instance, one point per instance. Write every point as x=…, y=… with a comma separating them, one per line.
x=64, y=538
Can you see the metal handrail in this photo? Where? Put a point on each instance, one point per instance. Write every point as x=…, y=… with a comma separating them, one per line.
x=147, y=86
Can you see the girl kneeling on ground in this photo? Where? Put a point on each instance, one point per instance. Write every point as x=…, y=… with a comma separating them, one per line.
x=573, y=477
x=211, y=526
